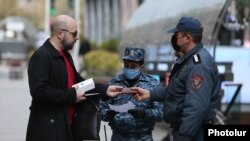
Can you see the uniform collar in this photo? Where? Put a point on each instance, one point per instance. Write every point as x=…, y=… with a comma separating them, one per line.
x=190, y=53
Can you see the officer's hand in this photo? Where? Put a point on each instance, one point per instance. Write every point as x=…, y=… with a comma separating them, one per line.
x=142, y=94
x=111, y=114
x=137, y=113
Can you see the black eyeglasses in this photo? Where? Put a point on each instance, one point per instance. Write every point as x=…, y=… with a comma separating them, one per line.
x=74, y=34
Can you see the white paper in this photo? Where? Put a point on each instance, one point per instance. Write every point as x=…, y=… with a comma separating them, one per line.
x=86, y=85
x=123, y=107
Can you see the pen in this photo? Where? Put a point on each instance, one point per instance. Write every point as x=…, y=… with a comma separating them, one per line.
x=90, y=94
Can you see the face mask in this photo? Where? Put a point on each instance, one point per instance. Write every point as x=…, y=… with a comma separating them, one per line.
x=131, y=73
x=175, y=46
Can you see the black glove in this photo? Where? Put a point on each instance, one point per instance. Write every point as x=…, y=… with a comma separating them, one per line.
x=111, y=114
x=137, y=113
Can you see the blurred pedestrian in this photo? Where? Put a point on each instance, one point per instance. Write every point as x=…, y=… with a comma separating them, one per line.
x=136, y=124
x=85, y=47
x=51, y=74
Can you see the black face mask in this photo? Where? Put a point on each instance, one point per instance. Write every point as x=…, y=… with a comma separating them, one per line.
x=175, y=46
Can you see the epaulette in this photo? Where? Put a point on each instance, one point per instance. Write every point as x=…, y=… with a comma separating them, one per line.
x=196, y=59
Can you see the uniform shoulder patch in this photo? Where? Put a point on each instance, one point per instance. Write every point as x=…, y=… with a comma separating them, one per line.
x=197, y=80
x=196, y=59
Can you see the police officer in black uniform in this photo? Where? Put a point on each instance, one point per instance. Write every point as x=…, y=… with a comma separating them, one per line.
x=192, y=94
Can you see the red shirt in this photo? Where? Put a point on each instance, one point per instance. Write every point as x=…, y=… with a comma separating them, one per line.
x=71, y=80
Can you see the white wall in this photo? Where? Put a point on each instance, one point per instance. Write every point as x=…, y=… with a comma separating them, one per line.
x=241, y=70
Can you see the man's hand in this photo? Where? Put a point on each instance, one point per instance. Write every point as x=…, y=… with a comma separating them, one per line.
x=137, y=113
x=80, y=95
x=142, y=94
x=114, y=90
x=111, y=114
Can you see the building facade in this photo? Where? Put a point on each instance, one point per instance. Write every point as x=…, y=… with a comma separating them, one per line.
x=105, y=19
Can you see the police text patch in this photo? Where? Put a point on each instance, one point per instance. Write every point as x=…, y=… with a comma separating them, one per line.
x=196, y=80
x=196, y=59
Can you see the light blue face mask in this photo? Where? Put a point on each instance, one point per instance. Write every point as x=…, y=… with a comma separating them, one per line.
x=131, y=73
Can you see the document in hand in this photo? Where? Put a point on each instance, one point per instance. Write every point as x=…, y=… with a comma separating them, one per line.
x=86, y=85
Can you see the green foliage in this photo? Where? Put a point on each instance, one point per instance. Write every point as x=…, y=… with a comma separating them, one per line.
x=109, y=45
x=102, y=63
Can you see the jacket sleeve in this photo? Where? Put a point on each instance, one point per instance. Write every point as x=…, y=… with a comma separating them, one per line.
x=39, y=81
x=155, y=113
x=158, y=94
x=199, y=85
x=99, y=88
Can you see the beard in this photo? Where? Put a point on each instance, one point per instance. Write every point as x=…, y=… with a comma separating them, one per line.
x=67, y=45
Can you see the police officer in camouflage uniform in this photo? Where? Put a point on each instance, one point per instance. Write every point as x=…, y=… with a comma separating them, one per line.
x=193, y=91
x=136, y=124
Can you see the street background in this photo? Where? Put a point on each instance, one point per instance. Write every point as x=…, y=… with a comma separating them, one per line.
x=105, y=28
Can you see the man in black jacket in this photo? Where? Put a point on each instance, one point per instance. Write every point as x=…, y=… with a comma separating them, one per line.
x=52, y=73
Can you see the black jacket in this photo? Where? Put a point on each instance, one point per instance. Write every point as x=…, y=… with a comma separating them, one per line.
x=47, y=74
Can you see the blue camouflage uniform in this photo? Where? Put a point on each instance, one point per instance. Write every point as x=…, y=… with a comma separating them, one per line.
x=124, y=126
x=192, y=94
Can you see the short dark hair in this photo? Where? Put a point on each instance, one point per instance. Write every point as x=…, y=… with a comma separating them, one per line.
x=197, y=38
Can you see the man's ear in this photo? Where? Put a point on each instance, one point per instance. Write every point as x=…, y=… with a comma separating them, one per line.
x=60, y=35
x=189, y=37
